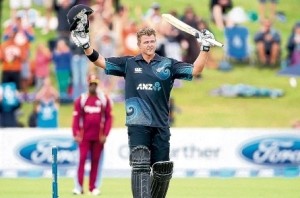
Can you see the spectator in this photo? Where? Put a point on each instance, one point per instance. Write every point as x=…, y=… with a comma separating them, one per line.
x=42, y=60
x=102, y=16
x=120, y=18
x=103, y=8
x=47, y=114
x=267, y=42
x=61, y=9
x=172, y=41
x=293, y=46
x=47, y=106
x=92, y=121
x=79, y=67
x=12, y=56
x=128, y=38
x=16, y=5
x=24, y=36
x=219, y=9
x=263, y=9
x=237, y=36
x=192, y=49
x=62, y=57
x=47, y=92
x=48, y=5
x=106, y=44
x=9, y=104
x=153, y=16
x=25, y=31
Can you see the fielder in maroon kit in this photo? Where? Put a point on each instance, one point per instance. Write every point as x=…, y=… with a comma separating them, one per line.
x=92, y=121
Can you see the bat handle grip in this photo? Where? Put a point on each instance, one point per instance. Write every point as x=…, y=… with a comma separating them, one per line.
x=216, y=43
x=212, y=41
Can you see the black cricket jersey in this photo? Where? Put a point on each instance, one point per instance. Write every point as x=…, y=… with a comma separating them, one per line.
x=148, y=86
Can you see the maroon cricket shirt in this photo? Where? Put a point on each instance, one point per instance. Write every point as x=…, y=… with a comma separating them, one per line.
x=92, y=118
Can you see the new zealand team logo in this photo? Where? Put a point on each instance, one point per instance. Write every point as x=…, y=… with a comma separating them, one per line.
x=162, y=70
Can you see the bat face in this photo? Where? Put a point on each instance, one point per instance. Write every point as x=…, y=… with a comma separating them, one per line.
x=186, y=28
x=179, y=24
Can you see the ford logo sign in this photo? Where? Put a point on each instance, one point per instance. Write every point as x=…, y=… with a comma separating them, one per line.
x=273, y=151
x=39, y=151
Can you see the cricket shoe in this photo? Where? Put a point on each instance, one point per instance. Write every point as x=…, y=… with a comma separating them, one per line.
x=77, y=192
x=95, y=192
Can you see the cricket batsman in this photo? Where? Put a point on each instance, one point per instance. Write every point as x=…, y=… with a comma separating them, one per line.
x=149, y=80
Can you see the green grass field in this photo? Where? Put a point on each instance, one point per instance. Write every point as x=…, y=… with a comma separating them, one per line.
x=179, y=188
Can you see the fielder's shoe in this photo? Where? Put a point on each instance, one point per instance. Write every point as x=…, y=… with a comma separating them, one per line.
x=77, y=192
x=95, y=192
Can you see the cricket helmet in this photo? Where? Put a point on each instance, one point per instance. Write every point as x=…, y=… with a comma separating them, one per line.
x=75, y=13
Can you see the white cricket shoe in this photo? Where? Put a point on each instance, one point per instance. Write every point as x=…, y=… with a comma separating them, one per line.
x=77, y=192
x=95, y=192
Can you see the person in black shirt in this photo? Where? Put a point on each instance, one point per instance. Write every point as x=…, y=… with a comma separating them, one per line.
x=219, y=9
x=149, y=80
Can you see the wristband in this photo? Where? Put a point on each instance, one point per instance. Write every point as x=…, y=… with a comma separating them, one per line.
x=204, y=48
x=93, y=56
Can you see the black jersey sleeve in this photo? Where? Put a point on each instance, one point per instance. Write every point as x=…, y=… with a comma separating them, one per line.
x=182, y=70
x=116, y=66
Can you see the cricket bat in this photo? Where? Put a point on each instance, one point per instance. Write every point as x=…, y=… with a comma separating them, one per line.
x=186, y=28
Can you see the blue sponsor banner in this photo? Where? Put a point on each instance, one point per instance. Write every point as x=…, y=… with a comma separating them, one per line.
x=196, y=152
x=38, y=151
x=272, y=151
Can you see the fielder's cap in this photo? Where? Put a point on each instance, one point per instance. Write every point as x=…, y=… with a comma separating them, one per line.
x=93, y=79
x=75, y=12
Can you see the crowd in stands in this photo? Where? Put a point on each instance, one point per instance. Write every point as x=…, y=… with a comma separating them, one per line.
x=113, y=34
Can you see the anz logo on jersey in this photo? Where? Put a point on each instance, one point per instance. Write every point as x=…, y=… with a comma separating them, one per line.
x=149, y=87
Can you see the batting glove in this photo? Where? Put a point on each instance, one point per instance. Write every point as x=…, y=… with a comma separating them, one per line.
x=81, y=39
x=203, y=36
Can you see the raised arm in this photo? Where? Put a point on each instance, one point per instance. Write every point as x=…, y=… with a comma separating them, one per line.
x=204, y=50
x=82, y=39
x=79, y=27
x=100, y=61
x=200, y=63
